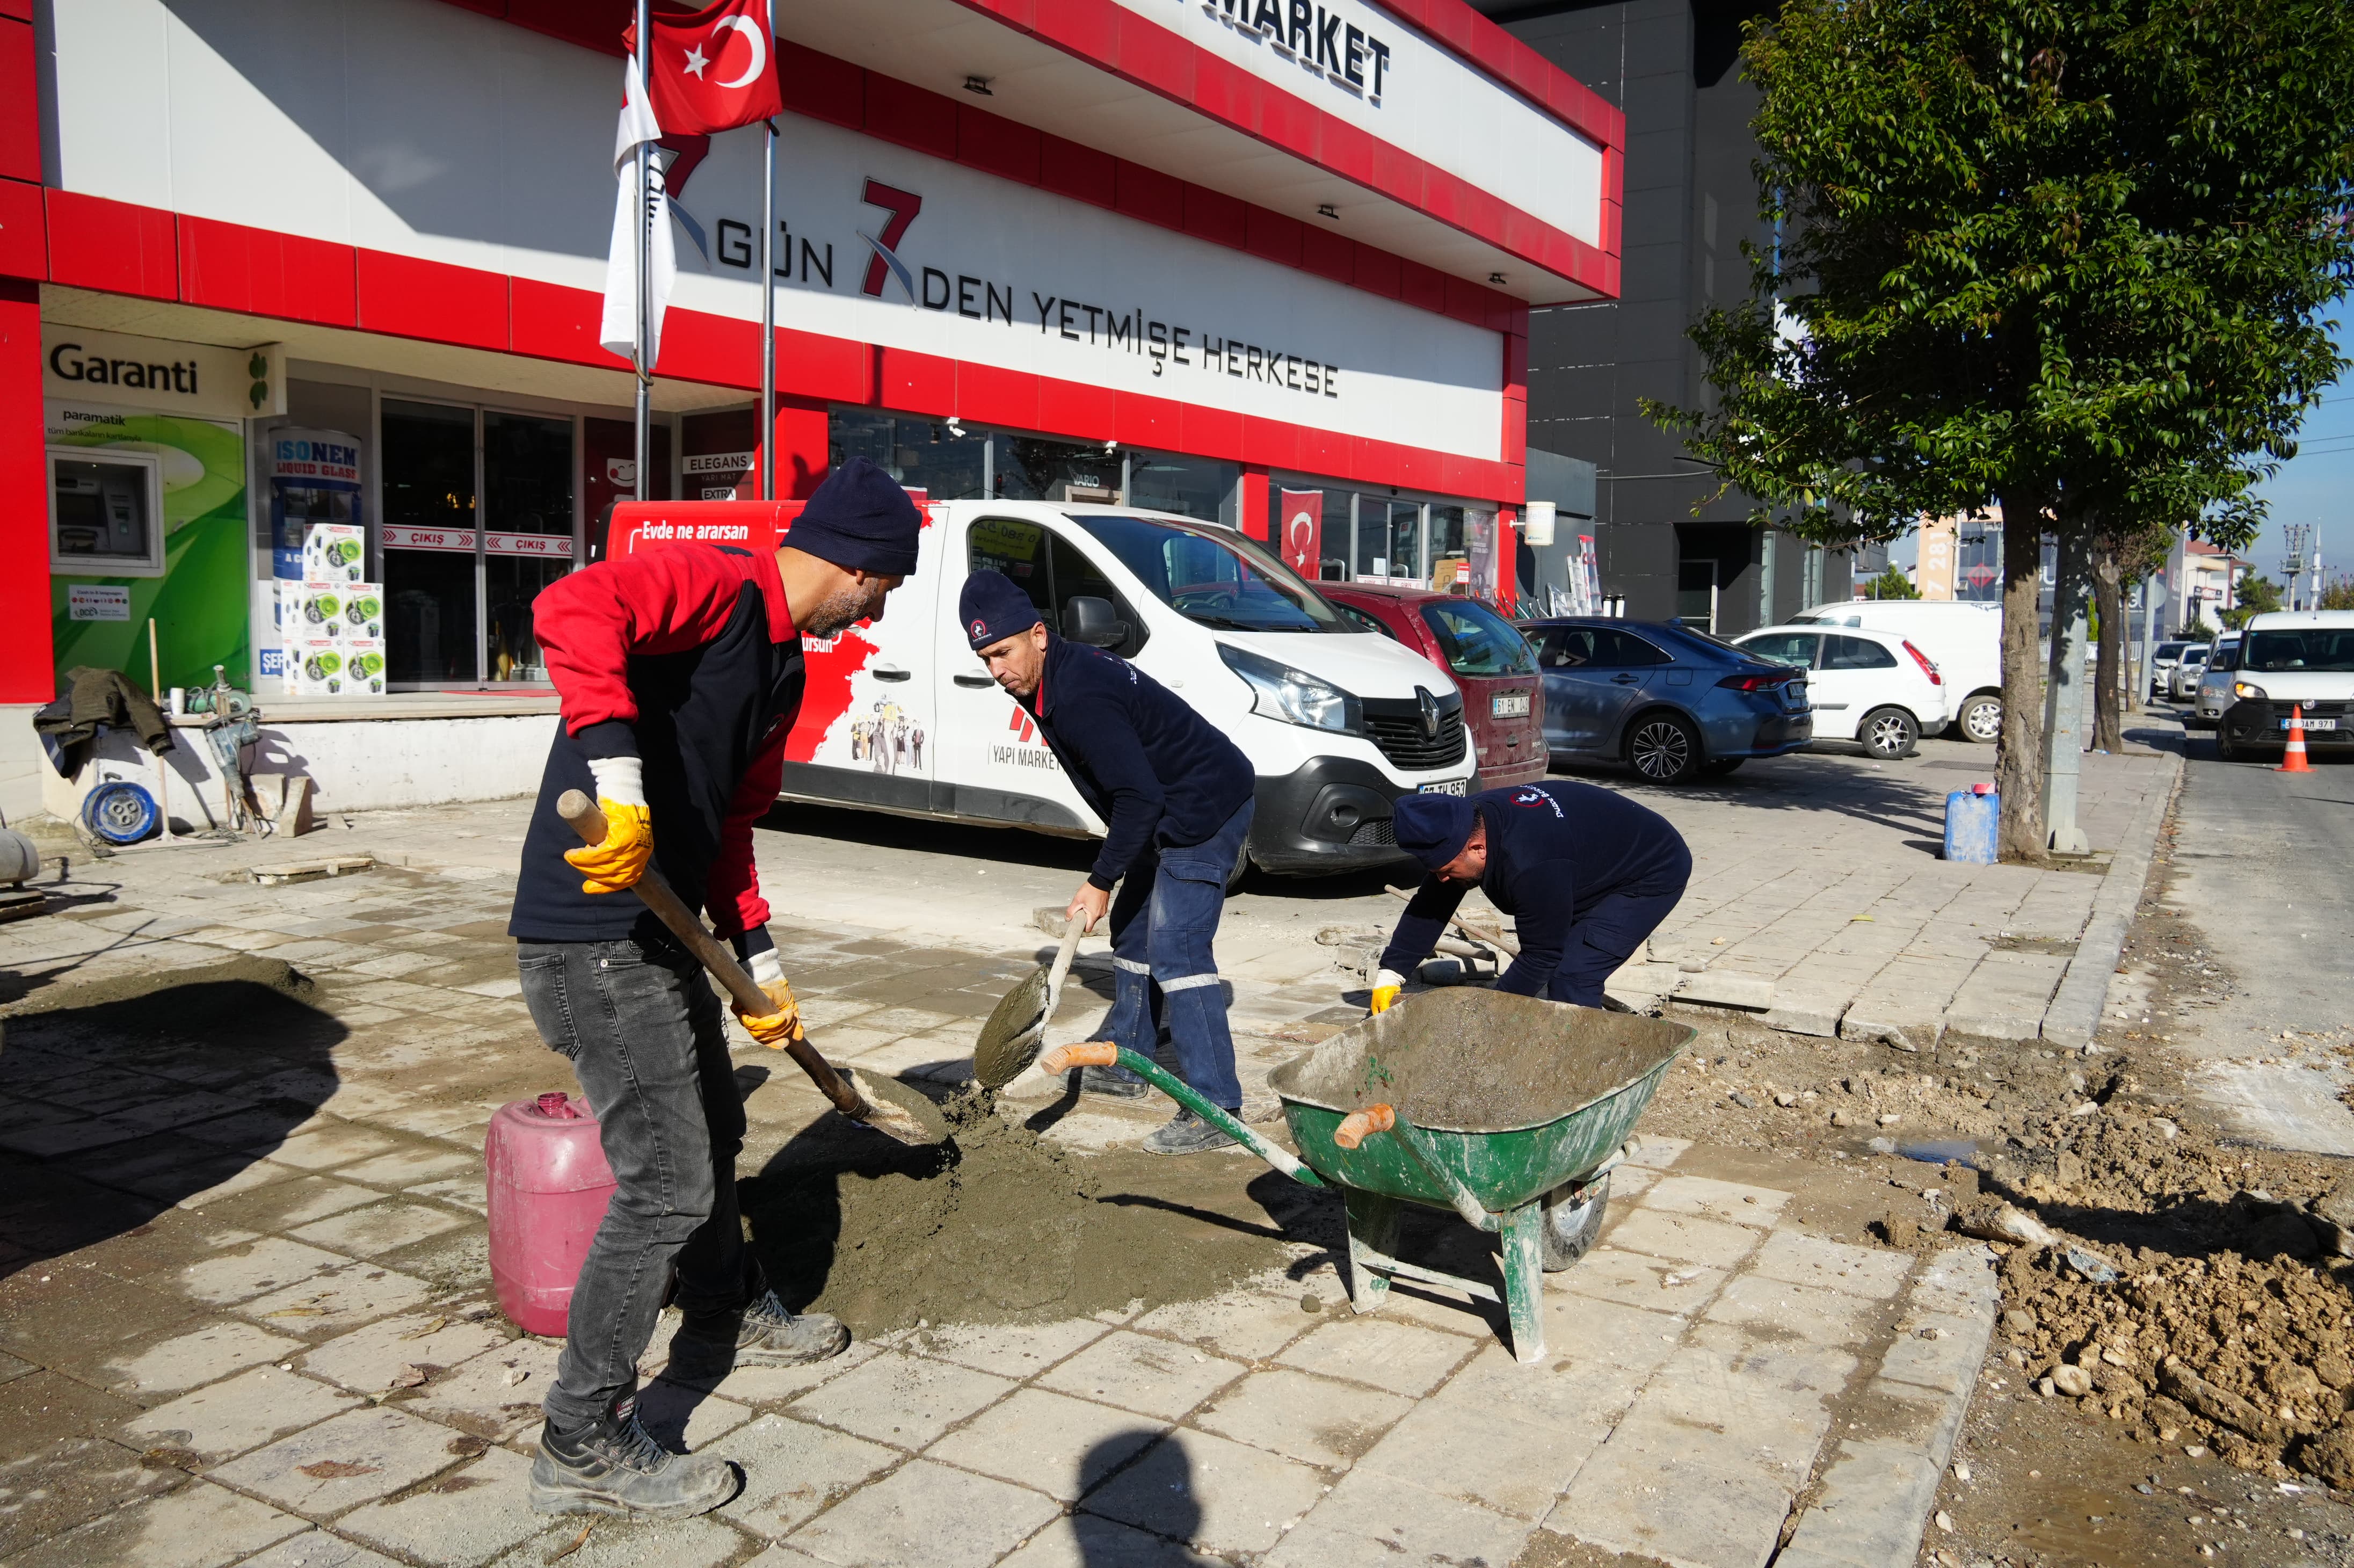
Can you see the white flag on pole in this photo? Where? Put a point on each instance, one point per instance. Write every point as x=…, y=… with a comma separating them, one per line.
x=618, y=331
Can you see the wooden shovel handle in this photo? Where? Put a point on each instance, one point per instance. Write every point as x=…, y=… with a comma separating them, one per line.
x=655, y=890
x=1084, y=1053
x=1358, y=1126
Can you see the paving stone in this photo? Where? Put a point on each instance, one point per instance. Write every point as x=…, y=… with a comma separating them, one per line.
x=317, y=1549
x=1372, y=1519
x=245, y=1272
x=1221, y=1496
x=1959, y=1280
x=682, y=1417
x=1612, y=1273
x=1083, y=1541
x=477, y=1397
x=1394, y=1356
x=357, y=1457
x=925, y=1515
x=901, y=1400
x=1318, y=1420
x=198, y=1525
x=1683, y=1238
x=772, y=1385
x=1010, y=1350
x=1948, y=1364
x=72, y=1480
x=1868, y=1512
x=1058, y=1445
x=383, y=1228
x=243, y=1413
x=406, y=1168
x=331, y=1147
x=465, y=1191
x=1666, y=1502
x=1712, y=1200
x=1805, y=1312
x=366, y=1359
x=338, y=1299
x=189, y=1360
x=1822, y=1370
x=466, y=1517
x=1803, y=1259
x=793, y=1469
x=1588, y=1378
x=1476, y=1456
x=1150, y=1375
x=699, y=1542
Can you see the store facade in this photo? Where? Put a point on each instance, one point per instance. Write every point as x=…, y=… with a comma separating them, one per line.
x=270, y=272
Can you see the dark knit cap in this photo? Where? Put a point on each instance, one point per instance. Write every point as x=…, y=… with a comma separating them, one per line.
x=994, y=608
x=1432, y=828
x=860, y=520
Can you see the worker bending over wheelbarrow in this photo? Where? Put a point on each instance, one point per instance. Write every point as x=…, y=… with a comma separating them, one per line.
x=1175, y=797
x=680, y=673
x=1586, y=873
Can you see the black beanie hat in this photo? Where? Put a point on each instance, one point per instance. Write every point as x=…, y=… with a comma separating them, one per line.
x=992, y=608
x=1432, y=828
x=862, y=520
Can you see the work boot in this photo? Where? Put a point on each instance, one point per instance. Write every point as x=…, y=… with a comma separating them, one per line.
x=1186, y=1133
x=610, y=1466
x=1110, y=1081
x=762, y=1334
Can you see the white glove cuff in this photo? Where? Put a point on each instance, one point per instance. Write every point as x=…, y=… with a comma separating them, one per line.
x=767, y=966
x=1387, y=977
x=620, y=780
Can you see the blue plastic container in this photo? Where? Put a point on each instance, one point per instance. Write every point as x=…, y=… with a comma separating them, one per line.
x=1971, y=818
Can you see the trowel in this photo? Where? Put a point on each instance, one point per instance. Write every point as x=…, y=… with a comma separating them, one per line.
x=1017, y=1025
x=891, y=1108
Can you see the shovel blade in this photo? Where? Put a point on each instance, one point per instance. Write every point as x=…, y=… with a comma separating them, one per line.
x=898, y=1112
x=1009, y=1040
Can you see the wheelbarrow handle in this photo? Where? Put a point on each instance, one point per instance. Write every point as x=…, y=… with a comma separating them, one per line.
x=1358, y=1126
x=1104, y=1054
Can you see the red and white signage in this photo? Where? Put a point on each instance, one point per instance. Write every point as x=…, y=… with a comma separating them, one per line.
x=461, y=541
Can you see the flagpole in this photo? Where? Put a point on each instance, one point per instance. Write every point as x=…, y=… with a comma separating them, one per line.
x=645, y=261
x=768, y=292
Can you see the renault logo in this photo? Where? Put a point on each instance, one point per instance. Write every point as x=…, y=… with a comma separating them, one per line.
x=1429, y=705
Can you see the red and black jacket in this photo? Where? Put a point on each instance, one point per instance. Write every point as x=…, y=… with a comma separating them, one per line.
x=686, y=656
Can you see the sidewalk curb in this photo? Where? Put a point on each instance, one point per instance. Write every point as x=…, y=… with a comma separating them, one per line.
x=2074, y=1015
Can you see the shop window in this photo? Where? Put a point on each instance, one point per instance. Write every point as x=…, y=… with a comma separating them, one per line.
x=105, y=514
x=1371, y=555
x=1032, y=468
x=428, y=577
x=527, y=534
x=936, y=457
x=1450, y=547
x=1405, y=539
x=1191, y=487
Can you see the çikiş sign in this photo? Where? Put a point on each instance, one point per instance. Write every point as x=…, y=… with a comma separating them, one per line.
x=203, y=379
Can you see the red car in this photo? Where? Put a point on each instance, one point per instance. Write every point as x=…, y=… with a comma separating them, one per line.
x=1504, y=698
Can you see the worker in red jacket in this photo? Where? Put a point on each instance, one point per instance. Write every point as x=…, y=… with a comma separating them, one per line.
x=680, y=671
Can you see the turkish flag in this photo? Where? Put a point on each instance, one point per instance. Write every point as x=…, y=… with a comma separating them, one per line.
x=1299, y=531
x=711, y=69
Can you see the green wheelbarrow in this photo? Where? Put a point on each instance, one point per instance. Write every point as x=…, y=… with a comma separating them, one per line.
x=1508, y=1110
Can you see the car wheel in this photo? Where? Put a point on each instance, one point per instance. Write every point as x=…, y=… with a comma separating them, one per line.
x=1723, y=766
x=1572, y=1221
x=1890, y=734
x=1980, y=720
x=1663, y=748
x=1241, y=867
x=2226, y=750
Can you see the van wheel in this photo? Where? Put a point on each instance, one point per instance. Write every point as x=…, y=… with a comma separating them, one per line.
x=2225, y=751
x=1890, y=734
x=1980, y=719
x=1241, y=867
x=1663, y=748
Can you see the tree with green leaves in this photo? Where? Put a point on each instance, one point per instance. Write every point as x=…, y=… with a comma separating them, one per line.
x=2063, y=256
x=2338, y=595
x=2256, y=596
x=1890, y=584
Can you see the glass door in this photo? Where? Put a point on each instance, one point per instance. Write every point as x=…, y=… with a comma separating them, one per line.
x=1696, y=594
x=527, y=534
x=429, y=523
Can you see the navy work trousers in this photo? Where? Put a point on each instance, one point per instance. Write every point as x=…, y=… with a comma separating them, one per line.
x=1163, y=920
x=1601, y=939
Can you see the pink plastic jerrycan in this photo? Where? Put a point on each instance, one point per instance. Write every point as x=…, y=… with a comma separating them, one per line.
x=549, y=1187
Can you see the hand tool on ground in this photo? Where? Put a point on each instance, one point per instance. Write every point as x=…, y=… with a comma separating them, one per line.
x=1493, y=938
x=1508, y=1110
x=1017, y=1025
x=891, y=1108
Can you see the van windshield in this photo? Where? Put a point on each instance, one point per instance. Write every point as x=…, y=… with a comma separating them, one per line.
x=1213, y=577
x=2324, y=650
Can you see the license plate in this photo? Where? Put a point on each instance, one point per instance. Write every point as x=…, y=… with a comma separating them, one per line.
x=1510, y=704
x=2314, y=724
x=1448, y=787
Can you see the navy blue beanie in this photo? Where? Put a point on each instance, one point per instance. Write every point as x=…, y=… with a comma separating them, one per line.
x=994, y=608
x=860, y=520
x=1432, y=828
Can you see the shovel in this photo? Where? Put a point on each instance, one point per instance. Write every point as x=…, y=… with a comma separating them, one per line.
x=900, y=1112
x=1017, y=1025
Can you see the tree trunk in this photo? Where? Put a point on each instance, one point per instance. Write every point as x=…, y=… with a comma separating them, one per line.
x=2018, y=755
x=2109, y=677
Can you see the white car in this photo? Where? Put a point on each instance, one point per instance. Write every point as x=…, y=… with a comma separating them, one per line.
x=1874, y=688
x=2290, y=662
x=2182, y=685
x=2162, y=661
x=1963, y=637
x=2214, y=694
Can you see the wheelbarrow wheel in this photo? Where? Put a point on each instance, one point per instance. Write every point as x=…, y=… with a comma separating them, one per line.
x=1573, y=1222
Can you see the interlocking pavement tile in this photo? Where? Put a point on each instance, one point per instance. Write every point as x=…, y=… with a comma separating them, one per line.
x=465, y=1191
x=1221, y=1496
x=1011, y=1349
x=1655, y=1152
x=408, y=1167
x=317, y=1549
x=482, y=1395
x=366, y=1360
x=1800, y=1367
x=1611, y=1273
x=1588, y=1376
x=1835, y=1266
x=466, y=1517
x=357, y=1457
x=925, y=1515
x=72, y=1480
x=1250, y=1324
x=774, y=1385
x=1136, y=1372
x=1301, y=1416
x=699, y=1542
x=1938, y=1351
x=244, y=1273
x=1369, y=1518
x=1777, y=1307
x=339, y=1298
x=793, y=1469
x=1676, y=1500
x=379, y=1229
x=1476, y=1456
x=1396, y=1356
x=1083, y=1541
x=1058, y=1445
x=901, y=1400
x=1683, y=1238
x=230, y=1417
x=192, y=1359
x=1714, y=1199
x=1870, y=1507
x=200, y=1525
x=685, y=1417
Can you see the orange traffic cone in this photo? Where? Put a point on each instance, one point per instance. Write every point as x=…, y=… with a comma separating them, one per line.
x=2293, y=755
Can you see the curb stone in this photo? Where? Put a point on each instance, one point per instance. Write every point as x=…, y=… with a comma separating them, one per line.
x=2075, y=1014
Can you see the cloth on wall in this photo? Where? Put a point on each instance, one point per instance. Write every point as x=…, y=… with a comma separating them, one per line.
x=91, y=703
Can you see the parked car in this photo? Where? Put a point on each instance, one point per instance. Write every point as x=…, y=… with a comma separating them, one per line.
x=2182, y=685
x=1874, y=688
x=1504, y=700
x=2162, y=661
x=1668, y=702
x=2214, y=694
x=2287, y=659
x=1962, y=637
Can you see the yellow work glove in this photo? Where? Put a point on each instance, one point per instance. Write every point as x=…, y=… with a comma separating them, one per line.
x=1387, y=983
x=615, y=865
x=781, y=1028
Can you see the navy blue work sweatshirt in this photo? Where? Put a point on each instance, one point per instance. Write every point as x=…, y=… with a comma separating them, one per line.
x=1554, y=851
x=1155, y=772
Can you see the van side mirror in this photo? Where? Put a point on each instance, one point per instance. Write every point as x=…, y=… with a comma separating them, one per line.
x=1093, y=621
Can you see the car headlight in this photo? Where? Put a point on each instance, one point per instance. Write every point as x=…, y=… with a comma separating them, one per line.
x=1293, y=696
x=2242, y=689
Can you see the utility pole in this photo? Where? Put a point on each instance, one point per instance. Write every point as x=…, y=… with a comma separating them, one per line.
x=2299, y=544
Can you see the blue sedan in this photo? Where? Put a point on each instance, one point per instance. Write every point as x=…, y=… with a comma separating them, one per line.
x=1667, y=701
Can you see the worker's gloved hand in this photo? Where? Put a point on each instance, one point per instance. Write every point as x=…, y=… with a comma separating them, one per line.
x=1387, y=983
x=615, y=865
x=782, y=1026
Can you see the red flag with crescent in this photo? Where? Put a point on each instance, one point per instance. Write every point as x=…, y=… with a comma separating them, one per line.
x=712, y=69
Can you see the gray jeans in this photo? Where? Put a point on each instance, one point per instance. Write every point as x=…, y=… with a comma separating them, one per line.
x=643, y=1032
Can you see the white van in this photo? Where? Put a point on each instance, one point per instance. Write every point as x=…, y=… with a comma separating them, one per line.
x=898, y=715
x=2286, y=660
x=1962, y=637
